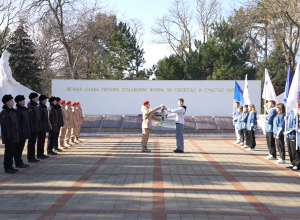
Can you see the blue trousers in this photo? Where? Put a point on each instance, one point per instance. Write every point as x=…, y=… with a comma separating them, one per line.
x=179, y=137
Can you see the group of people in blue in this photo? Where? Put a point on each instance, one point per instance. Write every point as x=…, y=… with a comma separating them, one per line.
x=278, y=126
x=245, y=125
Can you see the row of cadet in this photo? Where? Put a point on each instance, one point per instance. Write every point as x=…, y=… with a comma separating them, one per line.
x=278, y=125
x=62, y=120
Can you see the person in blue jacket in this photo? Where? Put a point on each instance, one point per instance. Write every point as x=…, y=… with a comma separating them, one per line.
x=236, y=113
x=239, y=123
x=244, y=138
x=251, y=127
x=296, y=161
x=291, y=138
x=269, y=130
x=278, y=130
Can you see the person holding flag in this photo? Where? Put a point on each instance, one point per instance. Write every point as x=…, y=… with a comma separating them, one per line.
x=238, y=97
x=270, y=95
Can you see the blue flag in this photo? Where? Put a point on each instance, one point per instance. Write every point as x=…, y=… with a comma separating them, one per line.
x=238, y=93
x=287, y=84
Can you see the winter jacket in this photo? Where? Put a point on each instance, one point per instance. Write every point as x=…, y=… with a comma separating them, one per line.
x=270, y=120
x=9, y=126
x=23, y=122
x=178, y=114
x=60, y=116
x=148, y=116
x=251, y=122
x=244, y=119
x=291, y=125
x=53, y=117
x=278, y=125
x=70, y=117
x=34, y=117
x=65, y=117
x=44, y=118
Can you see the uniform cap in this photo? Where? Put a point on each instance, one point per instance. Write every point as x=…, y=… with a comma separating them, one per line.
x=7, y=98
x=74, y=103
x=42, y=98
x=68, y=102
x=145, y=102
x=19, y=98
x=52, y=99
x=62, y=101
x=33, y=95
x=77, y=103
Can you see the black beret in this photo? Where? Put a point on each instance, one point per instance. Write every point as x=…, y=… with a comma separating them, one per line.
x=52, y=99
x=33, y=95
x=19, y=98
x=58, y=99
x=42, y=98
x=7, y=98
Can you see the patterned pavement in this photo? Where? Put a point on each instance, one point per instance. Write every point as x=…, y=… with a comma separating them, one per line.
x=109, y=178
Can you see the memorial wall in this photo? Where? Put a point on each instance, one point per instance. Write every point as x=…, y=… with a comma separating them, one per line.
x=124, y=97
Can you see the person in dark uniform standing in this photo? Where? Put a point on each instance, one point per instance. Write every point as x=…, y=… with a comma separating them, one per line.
x=35, y=126
x=9, y=132
x=53, y=118
x=24, y=130
x=45, y=127
x=60, y=123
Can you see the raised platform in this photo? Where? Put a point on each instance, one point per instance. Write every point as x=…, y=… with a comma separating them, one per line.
x=133, y=123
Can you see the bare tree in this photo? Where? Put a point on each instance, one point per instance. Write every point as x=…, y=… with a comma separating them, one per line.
x=175, y=28
x=208, y=12
x=67, y=17
x=9, y=12
x=283, y=16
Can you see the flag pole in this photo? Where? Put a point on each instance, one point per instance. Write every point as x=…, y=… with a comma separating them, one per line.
x=297, y=117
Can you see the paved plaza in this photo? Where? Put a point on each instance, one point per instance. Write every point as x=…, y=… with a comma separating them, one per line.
x=109, y=178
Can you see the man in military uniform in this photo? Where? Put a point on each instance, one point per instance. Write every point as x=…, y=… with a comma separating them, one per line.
x=45, y=127
x=53, y=118
x=63, y=129
x=80, y=119
x=24, y=130
x=71, y=123
x=9, y=132
x=60, y=123
x=75, y=116
x=35, y=126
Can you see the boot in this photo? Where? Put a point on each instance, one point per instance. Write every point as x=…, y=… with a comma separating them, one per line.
x=72, y=141
x=145, y=150
x=77, y=139
x=63, y=146
x=67, y=145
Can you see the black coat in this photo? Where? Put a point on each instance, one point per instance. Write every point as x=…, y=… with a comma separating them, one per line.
x=35, y=124
x=60, y=117
x=53, y=117
x=44, y=118
x=9, y=126
x=23, y=122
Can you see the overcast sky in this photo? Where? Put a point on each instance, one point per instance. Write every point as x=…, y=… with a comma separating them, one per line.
x=147, y=11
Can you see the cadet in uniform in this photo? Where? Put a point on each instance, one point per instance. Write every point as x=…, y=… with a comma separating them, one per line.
x=75, y=122
x=147, y=125
x=34, y=125
x=9, y=132
x=63, y=129
x=53, y=118
x=24, y=130
x=60, y=123
x=45, y=127
x=71, y=123
x=80, y=116
x=269, y=130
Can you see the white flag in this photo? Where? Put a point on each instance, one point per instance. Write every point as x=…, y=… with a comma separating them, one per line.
x=246, y=95
x=269, y=92
x=293, y=99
